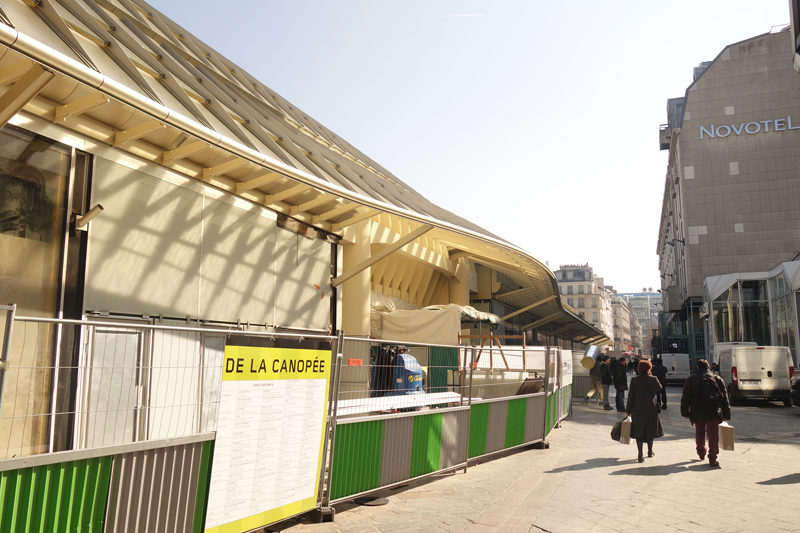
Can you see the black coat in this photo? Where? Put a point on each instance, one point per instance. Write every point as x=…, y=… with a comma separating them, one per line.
x=660, y=371
x=620, y=373
x=605, y=374
x=692, y=401
x=643, y=407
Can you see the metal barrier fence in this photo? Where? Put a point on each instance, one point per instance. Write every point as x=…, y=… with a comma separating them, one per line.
x=471, y=402
x=117, y=433
x=136, y=406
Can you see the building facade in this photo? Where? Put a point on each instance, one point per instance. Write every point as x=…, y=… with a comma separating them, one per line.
x=646, y=306
x=621, y=321
x=586, y=293
x=732, y=185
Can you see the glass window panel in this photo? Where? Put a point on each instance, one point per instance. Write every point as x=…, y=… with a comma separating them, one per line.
x=756, y=327
x=33, y=186
x=726, y=322
x=754, y=290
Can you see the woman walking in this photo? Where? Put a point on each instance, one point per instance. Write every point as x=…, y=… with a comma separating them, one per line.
x=643, y=408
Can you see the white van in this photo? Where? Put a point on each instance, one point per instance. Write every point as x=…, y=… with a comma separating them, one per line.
x=713, y=353
x=760, y=372
x=679, y=366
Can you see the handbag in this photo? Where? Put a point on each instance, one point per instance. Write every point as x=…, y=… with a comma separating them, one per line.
x=616, y=431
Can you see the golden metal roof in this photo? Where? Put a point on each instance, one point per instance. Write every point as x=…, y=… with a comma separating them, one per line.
x=121, y=73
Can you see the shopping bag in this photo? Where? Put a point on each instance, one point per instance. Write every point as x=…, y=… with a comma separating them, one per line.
x=625, y=431
x=616, y=431
x=726, y=435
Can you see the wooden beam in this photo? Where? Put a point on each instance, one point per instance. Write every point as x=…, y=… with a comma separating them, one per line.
x=414, y=235
x=224, y=168
x=256, y=182
x=528, y=308
x=23, y=92
x=80, y=106
x=288, y=193
x=311, y=204
x=562, y=330
x=137, y=132
x=342, y=209
x=369, y=213
x=185, y=151
x=14, y=72
x=543, y=321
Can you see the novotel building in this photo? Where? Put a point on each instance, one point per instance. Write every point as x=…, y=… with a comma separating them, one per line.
x=732, y=187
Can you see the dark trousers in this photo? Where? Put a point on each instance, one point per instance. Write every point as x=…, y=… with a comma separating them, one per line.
x=662, y=394
x=710, y=426
x=620, y=400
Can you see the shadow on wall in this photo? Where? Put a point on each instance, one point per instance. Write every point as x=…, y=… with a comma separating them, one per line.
x=186, y=250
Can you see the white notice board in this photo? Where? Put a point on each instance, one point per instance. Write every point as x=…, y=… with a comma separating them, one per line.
x=268, y=450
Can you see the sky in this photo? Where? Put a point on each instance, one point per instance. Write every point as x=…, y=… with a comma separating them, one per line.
x=538, y=121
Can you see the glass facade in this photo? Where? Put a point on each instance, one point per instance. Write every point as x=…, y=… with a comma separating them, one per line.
x=783, y=311
x=741, y=313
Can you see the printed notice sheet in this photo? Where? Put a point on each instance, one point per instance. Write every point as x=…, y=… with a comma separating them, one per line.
x=268, y=450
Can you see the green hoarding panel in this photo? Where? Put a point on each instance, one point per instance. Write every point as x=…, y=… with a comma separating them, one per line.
x=515, y=422
x=357, y=458
x=478, y=428
x=551, y=403
x=68, y=496
x=426, y=444
x=441, y=360
x=203, y=483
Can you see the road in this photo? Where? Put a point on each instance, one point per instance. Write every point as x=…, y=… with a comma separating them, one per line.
x=753, y=420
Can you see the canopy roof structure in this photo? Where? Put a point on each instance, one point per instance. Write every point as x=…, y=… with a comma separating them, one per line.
x=120, y=73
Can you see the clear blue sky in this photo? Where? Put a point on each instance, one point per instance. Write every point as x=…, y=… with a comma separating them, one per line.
x=536, y=120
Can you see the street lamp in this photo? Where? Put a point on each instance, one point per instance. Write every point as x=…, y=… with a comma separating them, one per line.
x=673, y=241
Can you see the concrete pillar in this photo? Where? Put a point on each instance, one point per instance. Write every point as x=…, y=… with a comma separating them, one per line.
x=356, y=293
x=459, y=286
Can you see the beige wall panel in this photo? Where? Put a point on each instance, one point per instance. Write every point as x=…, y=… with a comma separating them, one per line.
x=238, y=270
x=144, y=251
x=302, y=263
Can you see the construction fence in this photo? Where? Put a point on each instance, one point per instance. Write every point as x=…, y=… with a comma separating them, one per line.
x=158, y=426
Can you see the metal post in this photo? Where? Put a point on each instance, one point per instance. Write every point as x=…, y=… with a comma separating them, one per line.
x=11, y=311
x=547, y=392
x=469, y=401
x=332, y=393
x=326, y=501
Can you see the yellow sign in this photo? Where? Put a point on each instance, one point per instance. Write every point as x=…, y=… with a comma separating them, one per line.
x=270, y=436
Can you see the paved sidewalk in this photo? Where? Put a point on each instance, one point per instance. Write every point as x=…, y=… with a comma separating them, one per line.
x=587, y=483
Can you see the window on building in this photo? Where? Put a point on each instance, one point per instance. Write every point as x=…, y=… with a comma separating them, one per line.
x=569, y=289
x=581, y=302
x=594, y=302
x=570, y=302
x=569, y=275
x=580, y=289
x=594, y=317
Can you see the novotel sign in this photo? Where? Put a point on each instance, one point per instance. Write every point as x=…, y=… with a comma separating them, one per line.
x=751, y=128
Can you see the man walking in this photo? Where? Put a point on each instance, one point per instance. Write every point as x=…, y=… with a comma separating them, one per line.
x=595, y=376
x=620, y=374
x=660, y=371
x=605, y=380
x=705, y=404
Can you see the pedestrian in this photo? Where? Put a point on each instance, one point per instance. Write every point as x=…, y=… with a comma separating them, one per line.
x=660, y=371
x=705, y=403
x=643, y=408
x=596, y=386
x=620, y=373
x=605, y=379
